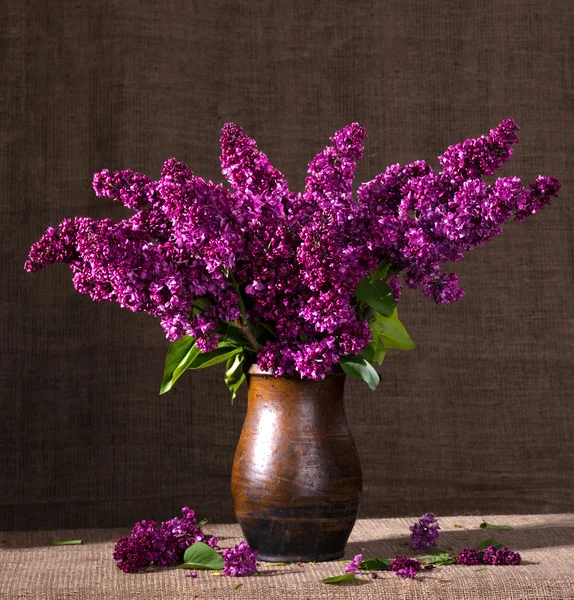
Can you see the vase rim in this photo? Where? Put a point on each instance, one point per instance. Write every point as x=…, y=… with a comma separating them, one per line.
x=255, y=370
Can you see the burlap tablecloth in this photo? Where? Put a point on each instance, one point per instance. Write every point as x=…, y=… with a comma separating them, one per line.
x=33, y=569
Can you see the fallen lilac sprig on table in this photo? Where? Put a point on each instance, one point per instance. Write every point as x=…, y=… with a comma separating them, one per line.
x=240, y=560
x=424, y=535
x=166, y=544
x=425, y=532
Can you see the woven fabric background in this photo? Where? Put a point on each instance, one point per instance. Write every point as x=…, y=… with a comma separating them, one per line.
x=478, y=419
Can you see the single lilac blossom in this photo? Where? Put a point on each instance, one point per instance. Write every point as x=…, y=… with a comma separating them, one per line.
x=353, y=566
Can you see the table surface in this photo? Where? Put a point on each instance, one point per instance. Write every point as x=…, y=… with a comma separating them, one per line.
x=31, y=568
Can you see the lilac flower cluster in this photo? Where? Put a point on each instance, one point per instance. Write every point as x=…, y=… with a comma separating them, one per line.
x=488, y=556
x=424, y=219
x=200, y=257
x=240, y=560
x=425, y=532
x=162, y=544
x=405, y=567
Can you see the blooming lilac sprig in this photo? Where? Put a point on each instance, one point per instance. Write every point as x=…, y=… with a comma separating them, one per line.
x=489, y=556
x=405, y=567
x=162, y=544
x=425, y=532
x=240, y=560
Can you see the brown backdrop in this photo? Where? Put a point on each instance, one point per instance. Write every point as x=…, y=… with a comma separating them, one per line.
x=478, y=418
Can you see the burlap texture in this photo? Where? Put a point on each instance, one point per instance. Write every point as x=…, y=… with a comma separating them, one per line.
x=479, y=417
x=31, y=570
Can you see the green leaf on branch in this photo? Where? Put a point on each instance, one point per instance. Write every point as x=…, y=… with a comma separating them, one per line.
x=224, y=351
x=488, y=543
x=339, y=578
x=392, y=332
x=375, y=564
x=234, y=374
x=377, y=295
x=381, y=271
x=442, y=559
x=231, y=334
x=359, y=368
x=202, y=556
x=179, y=353
x=485, y=525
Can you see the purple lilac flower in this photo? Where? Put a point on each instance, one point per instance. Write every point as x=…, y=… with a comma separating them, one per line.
x=488, y=556
x=240, y=560
x=162, y=544
x=405, y=567
x=502, y=556
x=425, y=532
x=353, y=566
x=193, y=575
x=294, y=259
x=374, y=575
x=470, y=556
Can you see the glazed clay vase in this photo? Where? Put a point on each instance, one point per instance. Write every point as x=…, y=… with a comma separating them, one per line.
x=296, y=479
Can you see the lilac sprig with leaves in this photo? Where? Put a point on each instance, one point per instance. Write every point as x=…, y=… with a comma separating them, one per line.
x=299, y=283
x=181, y=541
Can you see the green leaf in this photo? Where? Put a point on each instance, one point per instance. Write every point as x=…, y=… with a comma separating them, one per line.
x=377, y=295
x=375, y=564
x=232, y=334
x=339, y=578
x=381, y=270
x=234, y=374
x=177, y=355
x=202, y=522
x=457, y=526
x=223, y=351
x=237, y=586
x=359, y=368
x=434, y=550
x=66, y=542
x=485, y=525
x=368, y=352
x=276, y=564
x=392, y=332
x=439, y=560
x=202, y=556
x=488, y=543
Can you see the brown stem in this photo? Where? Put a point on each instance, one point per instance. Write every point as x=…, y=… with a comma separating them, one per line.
x=251, y=338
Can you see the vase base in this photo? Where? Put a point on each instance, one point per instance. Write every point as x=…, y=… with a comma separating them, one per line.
x=303, y=559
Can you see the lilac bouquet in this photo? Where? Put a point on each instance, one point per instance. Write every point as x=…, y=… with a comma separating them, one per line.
x=301, y=283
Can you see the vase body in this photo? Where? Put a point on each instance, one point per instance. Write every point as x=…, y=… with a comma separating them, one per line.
x=296, y=479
